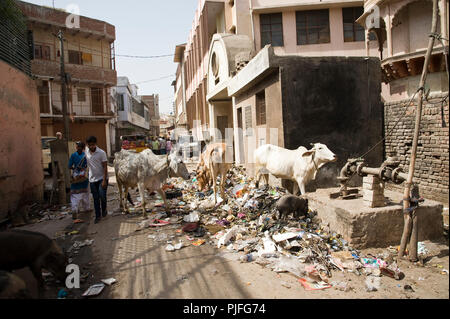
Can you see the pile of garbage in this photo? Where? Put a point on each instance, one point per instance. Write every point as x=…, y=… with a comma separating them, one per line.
x=246, y=223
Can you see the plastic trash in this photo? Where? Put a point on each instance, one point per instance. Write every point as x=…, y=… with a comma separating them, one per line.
x=421, y=248
x=238, y=190
x=170, y=247
x=192, y=217
x=225, y=239
x=179, y=246
x=373, y=263
x=247, y=258
x=94, y=290
x=109, y=281
x=392, y=271
x=269, y=246
x=288, y=264
x=314, y=285
x=373, y=283
x=199, y=242
x=282, y=237
x=62, y=294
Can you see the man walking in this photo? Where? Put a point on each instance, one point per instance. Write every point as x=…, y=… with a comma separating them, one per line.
x=79, y=195
x=98, y=177
x=155, y=146
x=162, y=146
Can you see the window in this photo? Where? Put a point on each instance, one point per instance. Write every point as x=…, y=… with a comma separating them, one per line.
x=313, y=27
x=75, y=57
x=248, y=121
x=42, y=52
x=81, y=95
x=239, y=112
x=261, y=108
x=121, y=102
x=44, y=98
x=271, y=29
x=86, y=57
x=97, y=101
x=352, y=31
x=69, y=94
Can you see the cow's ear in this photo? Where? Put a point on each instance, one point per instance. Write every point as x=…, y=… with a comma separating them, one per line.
x=308, y=153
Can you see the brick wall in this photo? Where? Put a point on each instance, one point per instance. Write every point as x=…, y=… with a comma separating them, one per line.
x=432, y=164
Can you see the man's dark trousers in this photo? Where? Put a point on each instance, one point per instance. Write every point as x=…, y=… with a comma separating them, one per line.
x=99, y=195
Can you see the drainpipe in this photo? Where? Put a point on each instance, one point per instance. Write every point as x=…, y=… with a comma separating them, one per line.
x=253, y=24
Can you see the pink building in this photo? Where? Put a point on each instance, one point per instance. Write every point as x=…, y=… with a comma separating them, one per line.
x=292, y=27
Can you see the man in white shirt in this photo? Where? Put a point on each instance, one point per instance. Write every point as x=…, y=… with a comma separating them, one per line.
x=98, y=176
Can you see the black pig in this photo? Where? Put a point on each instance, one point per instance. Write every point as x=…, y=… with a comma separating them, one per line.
x=20, y=249
x=292, y=204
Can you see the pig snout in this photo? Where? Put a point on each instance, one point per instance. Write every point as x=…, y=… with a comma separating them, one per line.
x=302, y=208
x=56, y=262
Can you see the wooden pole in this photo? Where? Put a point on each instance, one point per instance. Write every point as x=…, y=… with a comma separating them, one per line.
x=411, y=218
x=66, y=123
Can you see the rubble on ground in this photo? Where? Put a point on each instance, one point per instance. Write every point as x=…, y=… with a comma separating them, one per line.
x=246, y=227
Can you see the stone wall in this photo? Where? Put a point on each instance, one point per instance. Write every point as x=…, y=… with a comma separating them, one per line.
x=432, y=164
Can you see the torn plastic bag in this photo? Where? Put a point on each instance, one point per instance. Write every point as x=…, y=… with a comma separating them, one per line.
x=269, y=246
x=225, y=239
x=285, y=236
x=192, y=217
x=289, y=264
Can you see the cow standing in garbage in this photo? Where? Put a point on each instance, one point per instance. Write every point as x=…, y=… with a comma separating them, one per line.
x=300, y=165
x=147, y=171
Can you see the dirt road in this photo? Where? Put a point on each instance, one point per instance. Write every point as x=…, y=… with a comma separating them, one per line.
x=144, y=269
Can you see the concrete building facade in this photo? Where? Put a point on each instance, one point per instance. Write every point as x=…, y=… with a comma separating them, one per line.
x=256, y=55
x=153, y=103
x=291, y=26
x=403, y=29
x=133, y=113
x=89, y=62
x=180, y=89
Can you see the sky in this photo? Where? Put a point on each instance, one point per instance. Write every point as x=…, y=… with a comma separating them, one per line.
x=143, y=28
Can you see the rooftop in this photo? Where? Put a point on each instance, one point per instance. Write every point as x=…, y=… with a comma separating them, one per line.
x=45, y=16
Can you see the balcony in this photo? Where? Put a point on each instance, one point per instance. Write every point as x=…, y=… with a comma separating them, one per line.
x=411, y=64
x=78, y=73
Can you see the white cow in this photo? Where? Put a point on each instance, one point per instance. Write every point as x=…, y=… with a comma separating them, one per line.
x=299, y=165
x=146, y=171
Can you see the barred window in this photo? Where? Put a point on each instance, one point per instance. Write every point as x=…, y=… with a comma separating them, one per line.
x=271, y=29
x=75, y=57
x=81, y=95
x=41, y=52
x=352, y=31
x=261, y=108
x=313, y=27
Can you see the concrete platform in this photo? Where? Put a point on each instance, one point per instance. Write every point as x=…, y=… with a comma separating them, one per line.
x=365, y=227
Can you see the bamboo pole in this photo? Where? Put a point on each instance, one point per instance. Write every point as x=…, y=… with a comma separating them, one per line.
x=411, y=219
